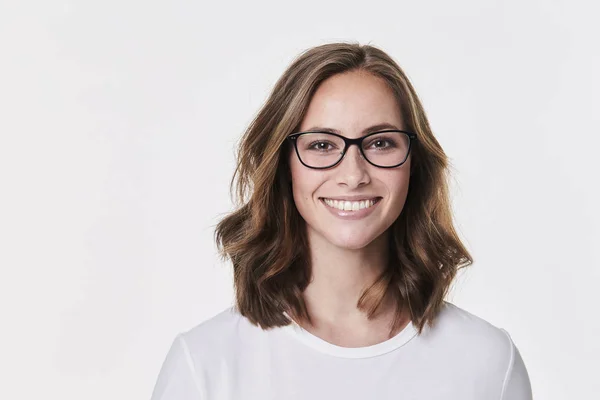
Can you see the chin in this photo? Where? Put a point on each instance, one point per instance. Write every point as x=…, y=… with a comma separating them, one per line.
x=352, y=241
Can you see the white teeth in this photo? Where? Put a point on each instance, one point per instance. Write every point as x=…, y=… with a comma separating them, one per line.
x=349, y=205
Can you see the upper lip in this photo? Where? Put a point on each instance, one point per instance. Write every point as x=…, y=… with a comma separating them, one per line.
x=355, y=197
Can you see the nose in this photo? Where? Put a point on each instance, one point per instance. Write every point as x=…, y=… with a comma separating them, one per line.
x=352, y=170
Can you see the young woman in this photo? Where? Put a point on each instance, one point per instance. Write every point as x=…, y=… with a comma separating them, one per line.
x=343, y=249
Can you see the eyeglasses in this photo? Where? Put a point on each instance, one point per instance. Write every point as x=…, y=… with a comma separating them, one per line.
x=383, y=149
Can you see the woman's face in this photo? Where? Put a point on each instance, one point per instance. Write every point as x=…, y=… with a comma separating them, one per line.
x=350, y=103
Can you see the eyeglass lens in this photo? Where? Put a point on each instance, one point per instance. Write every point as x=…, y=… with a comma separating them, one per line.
x=384, y=149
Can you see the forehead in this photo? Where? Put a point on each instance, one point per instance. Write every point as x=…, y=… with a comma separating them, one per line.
x=351, y=102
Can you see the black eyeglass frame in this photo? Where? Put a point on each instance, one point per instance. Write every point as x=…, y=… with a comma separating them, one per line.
x=349, y=142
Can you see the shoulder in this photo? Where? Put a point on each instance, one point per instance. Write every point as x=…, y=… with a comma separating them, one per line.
x=485, y=347
x=458, y=333
x=182, y=373
x=220, y=337
x=214, y=331
x=456, y=323
x=467, y=346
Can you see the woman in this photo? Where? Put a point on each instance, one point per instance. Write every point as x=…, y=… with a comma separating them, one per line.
x=343, y=250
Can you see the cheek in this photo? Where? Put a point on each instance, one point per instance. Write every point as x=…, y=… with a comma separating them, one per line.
x=397, y=184
x=301, y=181
x=305, y=185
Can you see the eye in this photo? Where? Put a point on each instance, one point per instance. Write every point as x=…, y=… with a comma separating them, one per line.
x=320, y=145
x=382, y=143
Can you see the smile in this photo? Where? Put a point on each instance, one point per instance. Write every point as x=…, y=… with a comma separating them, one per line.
x=346, y=205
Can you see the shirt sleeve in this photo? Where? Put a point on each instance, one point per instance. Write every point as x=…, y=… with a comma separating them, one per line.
x=516, y=382
x=177, y=378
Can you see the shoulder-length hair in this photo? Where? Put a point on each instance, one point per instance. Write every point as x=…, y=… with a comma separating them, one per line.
x=265, y=237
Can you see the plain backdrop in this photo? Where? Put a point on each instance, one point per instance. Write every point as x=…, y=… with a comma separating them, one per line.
x=118, y=127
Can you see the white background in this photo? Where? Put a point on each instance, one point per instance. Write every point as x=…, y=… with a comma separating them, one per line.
x=118, y=124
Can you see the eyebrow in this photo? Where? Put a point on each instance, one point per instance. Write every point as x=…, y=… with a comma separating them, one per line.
x=366, y=131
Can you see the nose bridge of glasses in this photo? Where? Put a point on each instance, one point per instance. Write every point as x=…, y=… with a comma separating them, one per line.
x=350, y=142
x=357, y=149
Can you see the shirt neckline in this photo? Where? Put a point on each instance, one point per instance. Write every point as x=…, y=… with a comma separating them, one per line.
x=393, y=343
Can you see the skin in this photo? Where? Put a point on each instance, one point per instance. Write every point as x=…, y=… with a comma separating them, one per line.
x=348, y=255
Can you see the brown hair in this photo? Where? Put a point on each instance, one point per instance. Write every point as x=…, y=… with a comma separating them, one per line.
x=265, y=237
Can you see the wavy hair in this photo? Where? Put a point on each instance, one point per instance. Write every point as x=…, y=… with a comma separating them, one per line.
x=265, y=237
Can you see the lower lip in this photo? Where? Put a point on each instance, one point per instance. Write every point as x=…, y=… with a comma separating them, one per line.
x=350, y=215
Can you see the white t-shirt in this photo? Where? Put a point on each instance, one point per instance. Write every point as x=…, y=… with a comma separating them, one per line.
x=463, y=357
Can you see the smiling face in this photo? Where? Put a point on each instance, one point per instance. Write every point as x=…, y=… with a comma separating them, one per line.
x=350, y=102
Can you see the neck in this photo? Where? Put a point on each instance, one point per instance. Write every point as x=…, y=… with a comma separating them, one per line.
x=339, y=276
